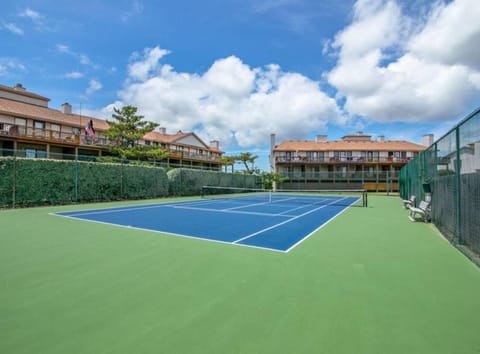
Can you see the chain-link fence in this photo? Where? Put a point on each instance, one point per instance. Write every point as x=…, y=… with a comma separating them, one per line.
x=375, y=181
x=29, y=180
x=450, y=171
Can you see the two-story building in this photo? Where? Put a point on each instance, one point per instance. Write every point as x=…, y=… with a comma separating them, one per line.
x=30, y=128
x=355, y=161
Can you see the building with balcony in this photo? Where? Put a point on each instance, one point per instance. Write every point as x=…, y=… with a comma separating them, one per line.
x=355, y=161
x=30, y=128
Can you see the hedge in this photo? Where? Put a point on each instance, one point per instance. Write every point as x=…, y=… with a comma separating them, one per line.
x=27, y=182
x=187, y=182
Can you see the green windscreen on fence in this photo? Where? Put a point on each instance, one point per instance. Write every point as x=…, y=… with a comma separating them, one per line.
x=450, y=171
x=40, y=181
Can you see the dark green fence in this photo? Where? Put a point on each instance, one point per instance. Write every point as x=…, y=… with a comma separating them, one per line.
x=377, y=181
x=30, y=181
x=450, y=169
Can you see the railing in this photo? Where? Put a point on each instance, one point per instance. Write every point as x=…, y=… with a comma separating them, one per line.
x=300, y=159
x=175, y=154
x=54, y=136
x=50, y=136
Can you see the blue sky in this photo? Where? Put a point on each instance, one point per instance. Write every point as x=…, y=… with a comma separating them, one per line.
x=238, y=70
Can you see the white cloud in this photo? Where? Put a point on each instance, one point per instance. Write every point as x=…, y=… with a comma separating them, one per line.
x=136, y=9
x=82, y=58
x=12, y=27
x=141, y=69
x=85, y=60
x=231, y=101
x=33, y=15
x=93, y=86
x=9, y=66
x=63, y=48
x=451, y=35
x=392, y=70
x=74, y=75
x=36, y=18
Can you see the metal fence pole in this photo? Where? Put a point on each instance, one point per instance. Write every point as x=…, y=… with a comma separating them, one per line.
x=458, y=186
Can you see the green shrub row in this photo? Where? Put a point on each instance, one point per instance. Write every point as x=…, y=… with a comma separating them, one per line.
x=29, y=182
x=187, y=182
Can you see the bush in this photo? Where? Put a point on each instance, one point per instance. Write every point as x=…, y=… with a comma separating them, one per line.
x=186, y=182
x=29, y=182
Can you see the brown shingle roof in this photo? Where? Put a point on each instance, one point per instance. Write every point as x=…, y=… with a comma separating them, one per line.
x=387, y=145
x=25, y=110
x=24, y=93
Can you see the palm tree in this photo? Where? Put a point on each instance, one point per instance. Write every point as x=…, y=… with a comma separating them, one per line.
x=228, y=161
x=246, y=158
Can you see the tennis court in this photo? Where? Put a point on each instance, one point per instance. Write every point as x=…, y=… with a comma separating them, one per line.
x=369, y=281
x=255, y=218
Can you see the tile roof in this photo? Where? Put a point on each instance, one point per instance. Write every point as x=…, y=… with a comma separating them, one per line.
x=23, y=93
x=387, y=145
x=25, y=110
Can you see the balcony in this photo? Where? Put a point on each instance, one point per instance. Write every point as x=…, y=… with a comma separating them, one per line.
x=50, y=136
x=185, y=155
x=340, y=160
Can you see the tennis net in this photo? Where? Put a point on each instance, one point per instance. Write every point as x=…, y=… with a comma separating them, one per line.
x=348, y=197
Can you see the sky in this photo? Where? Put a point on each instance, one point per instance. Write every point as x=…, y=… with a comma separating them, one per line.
x=237, y=71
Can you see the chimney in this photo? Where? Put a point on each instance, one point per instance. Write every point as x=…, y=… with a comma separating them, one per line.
x=19, y=87
x=67, y=108
x=162, y=130
x=272, y=157
x=427, y=139
x=214, y=144
x=380, y=139
x=272, y=141
x=321, y=139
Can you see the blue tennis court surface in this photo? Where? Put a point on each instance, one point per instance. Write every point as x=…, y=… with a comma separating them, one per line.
x=277, y=225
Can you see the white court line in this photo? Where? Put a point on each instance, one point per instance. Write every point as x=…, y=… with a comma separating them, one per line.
x=318, y=228
x=227, y=211
x=284, y=222
x=205, y=238
x=109, y=210
x=130, y=208
x=247, y=206
x=168, y=233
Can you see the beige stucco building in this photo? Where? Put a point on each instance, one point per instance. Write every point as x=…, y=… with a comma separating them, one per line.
x=355, y=161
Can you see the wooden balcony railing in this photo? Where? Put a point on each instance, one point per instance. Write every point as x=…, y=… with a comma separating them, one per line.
x=53, y=136
x=343, y=160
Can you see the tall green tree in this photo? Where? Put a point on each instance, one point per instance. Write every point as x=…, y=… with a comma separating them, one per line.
x=128, y=127
x=126, y=131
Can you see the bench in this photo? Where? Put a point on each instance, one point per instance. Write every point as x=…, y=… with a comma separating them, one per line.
x=408, y=203
x=422, y=211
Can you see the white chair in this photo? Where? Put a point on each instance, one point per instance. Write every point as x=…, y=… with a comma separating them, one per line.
x=422, y=211
x=408, y=203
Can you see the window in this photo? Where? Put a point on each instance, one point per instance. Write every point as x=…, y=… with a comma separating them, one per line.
x=37, y=124
x=20, y=121
x=55, y=131
x=39, y=128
